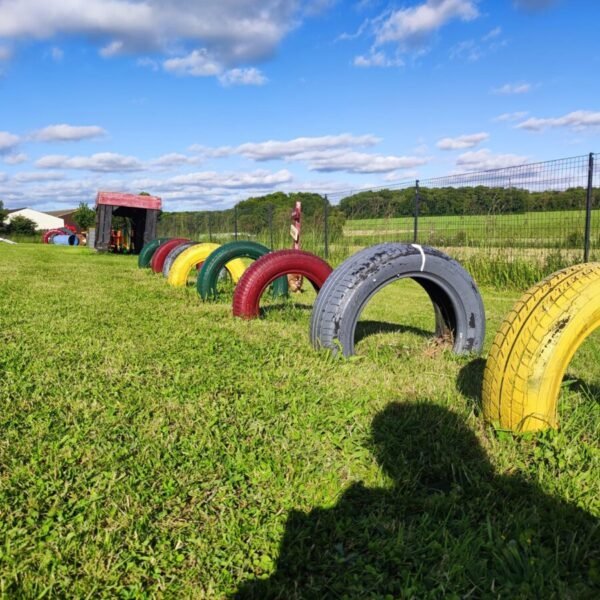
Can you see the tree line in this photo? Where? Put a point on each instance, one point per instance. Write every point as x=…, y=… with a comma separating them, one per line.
x=476, y=200
x=256, y=215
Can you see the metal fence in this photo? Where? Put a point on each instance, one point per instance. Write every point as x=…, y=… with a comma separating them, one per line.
x=520, y=222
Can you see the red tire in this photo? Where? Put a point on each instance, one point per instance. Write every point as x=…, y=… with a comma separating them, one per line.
x=160, y=255
x=268, y=268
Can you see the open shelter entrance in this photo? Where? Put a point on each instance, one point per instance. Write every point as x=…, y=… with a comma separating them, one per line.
x=141, y=212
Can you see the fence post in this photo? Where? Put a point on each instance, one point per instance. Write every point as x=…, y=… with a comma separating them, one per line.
x=326, y=226
x=235, y=223
x=588, y=209
x=417, y=208
x=209, y=229
x=271, y=226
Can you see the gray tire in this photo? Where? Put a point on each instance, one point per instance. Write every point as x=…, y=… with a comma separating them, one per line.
x=456, y=300
x=173, y=255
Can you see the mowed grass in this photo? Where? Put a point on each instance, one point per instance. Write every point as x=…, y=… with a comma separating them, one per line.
x=544, y=229
x=152, y=445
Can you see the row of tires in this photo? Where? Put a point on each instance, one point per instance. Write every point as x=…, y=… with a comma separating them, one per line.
x=530, y=352
x=176, y=258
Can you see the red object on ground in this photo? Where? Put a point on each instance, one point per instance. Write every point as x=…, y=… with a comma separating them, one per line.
x=129, y=200
x=160, y=255
x=50, y=234
x=265, y=270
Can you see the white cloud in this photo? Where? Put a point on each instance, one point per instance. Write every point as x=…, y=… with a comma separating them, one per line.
x=202, y=63
x=513, y=88
x=235, y=31
x=412, y=27
x=512, y=116
x=115, y=48
x=102, y=162
x=279, y=150
x=54, y=193
x=578, y=120
x=27, y=177
x=377, y=59
x=358, y=33
x=198, y=63
x=175, y=159
x=208, y=152
x=214, y=179
x=490, y=35
x=359, y=162
x=56, y=54
x=484, y=160
x=5, y=53
x=68, y=133
x=325, y=153
x=247, y=76
x=396, y=176
x=462, y=141
x=16, y=159
x=8, y=141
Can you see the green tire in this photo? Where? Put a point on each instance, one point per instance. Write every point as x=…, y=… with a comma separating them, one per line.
x=148, y=251
x=206, y=284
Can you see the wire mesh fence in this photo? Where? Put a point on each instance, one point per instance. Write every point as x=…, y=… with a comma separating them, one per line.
x=507, y=225
x=265, y=220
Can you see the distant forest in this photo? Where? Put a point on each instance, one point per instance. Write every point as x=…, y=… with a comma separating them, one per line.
x=255, y=214
x=479, y=200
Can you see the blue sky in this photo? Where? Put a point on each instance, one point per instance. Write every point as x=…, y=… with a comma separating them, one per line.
x=207, y=102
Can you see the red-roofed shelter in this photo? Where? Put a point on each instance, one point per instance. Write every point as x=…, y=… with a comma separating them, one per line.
x=143, y=210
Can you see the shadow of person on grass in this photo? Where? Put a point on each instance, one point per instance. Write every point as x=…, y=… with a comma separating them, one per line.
x=447, y=526
x=469, y=382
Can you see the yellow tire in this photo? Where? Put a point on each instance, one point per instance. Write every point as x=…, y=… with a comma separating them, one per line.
x=534, y=346
x=195, y=254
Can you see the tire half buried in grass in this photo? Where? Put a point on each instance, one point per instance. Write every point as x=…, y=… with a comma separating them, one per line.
x=457, y=303
x=158, y=258
x=534, y=346
x=268, y=268
x=192, y=256
x=208, y=277
x=148, y=251
x=173, y=254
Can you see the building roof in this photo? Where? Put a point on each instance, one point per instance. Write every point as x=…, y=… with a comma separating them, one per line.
x=41, y=219
x=60, y=213
x=129, y=200
x=12, y=210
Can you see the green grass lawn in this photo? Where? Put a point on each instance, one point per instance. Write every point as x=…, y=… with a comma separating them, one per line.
x=151, y=445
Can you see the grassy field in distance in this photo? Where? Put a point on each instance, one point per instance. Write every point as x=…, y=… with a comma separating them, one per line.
x=551, y=229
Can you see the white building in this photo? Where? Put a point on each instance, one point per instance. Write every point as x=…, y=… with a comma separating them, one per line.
x=41, y=220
